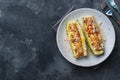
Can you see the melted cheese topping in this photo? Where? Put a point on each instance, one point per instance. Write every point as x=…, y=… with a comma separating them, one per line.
x=75, y=39
x=94, y=34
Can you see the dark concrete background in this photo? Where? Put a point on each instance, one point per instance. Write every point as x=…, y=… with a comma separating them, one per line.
x=28, y=49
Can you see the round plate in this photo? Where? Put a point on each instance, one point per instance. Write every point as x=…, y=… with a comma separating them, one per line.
x=107, y=31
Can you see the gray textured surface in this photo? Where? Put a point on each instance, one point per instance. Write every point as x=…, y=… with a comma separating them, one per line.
x=28, y=49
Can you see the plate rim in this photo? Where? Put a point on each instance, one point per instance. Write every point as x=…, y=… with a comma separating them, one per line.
x=59, y=29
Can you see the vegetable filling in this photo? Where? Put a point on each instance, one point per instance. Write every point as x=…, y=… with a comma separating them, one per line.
x=93, y=33
x=75, y=39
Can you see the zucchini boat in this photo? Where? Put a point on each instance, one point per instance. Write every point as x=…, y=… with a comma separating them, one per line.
x=93, y=35
x=76, y=38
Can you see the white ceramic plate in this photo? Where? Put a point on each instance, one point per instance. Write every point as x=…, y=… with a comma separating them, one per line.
x=107, y=30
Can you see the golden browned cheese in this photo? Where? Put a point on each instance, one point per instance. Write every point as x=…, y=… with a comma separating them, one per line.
x=75, y=38
x=93, y=35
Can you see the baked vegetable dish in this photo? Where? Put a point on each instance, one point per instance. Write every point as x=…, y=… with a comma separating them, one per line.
x=76, y=38
x=93, y=35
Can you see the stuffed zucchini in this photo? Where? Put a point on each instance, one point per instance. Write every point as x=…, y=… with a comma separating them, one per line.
x=93, y=35
x=76, y=38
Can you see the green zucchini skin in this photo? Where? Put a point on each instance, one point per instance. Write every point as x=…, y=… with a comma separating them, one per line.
x=88, y=39
x=82, y=35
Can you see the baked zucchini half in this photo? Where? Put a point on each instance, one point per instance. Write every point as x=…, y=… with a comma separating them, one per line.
x=76, y=38
x=93, y=35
